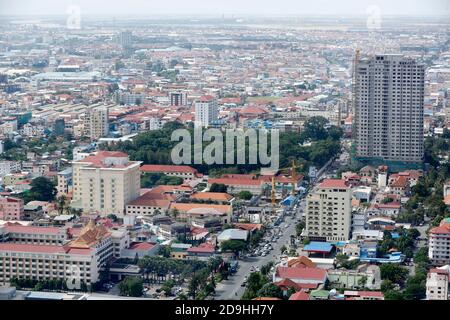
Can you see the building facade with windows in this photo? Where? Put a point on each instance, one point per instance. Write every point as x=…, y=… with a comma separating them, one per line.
x=206, y=111
x=389, y=109
x=329, y=212
x=77, y=262
x=439, y=244
x=438, y=283
x=105, y=182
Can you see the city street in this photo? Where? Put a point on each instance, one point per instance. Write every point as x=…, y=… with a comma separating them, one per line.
x=232, y=289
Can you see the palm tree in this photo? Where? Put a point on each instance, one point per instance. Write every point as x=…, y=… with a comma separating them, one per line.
x=61, y=203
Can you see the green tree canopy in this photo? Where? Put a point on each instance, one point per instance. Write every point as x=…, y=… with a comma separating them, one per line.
x=131, y=287
x=393, y=272
x=245, y=195
x=42, y=189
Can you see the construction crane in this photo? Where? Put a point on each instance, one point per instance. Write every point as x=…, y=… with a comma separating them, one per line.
x=294, y=177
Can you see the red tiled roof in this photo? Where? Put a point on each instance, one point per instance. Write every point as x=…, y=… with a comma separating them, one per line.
x=307, y=286
x=167, y=168
x=287, y=283
x=30, y=248
x=170, y=189
x=185, y=207
x=79, y=251
x=212, y=196
x=253, y=110
x=299, y=296
x=152, y=199
x=301, y=262
x=234, y=181
x=377, y=294
x=401, y=182
x=203, y=248
x=392, y=205
x=333, y=184
x=301, y=273
x=248, y=226
x=141, y=246
x=32, y=229
x=11, y=199
x=98, y=159
x=442, y=229
x=239, y=176
x=205, y=98
x=16, y=247
x=439, y=271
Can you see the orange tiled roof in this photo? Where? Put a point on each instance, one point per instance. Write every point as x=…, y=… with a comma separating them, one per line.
x=216, y=196
x=333, y=183
x=301, y=262
x=89, y=236
x=185, y=207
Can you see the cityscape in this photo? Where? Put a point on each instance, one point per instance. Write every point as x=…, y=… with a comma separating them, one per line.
x=224, y=155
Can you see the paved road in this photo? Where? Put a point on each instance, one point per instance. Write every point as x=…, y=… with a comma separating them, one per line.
x=232, y=289
x=419, y=244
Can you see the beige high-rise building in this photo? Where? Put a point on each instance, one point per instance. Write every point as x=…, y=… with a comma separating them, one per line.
x=96, y=124
x=389, y=105
x=105, y=182
x=329, y=212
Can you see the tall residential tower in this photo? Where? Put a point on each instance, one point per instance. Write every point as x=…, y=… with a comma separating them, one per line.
x=389, y=104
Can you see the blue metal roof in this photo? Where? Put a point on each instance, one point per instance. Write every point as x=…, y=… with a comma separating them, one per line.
x=319, y=247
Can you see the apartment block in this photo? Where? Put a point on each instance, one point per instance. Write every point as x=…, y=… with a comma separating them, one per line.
x=439, y=244
x=437, y=284
x=389, y=108
x=78, y=261
x=11, y=208
x=96, y=124
x=105, y=182
x=206, y=111
x=328, y=212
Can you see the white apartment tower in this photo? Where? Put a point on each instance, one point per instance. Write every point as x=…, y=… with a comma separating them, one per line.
x=329, y=211
x=206, y=111
x=96, y=123
x=389, y=106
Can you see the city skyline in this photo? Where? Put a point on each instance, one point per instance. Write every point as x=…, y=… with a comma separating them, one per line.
x=233, y=7
x=135, y=140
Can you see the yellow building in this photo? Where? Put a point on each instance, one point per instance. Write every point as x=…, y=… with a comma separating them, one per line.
x=105, y=182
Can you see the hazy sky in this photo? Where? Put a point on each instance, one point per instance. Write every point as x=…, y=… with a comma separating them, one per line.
x=257, y=7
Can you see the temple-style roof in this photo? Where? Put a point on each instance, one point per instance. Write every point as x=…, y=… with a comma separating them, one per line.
x=90, y=235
